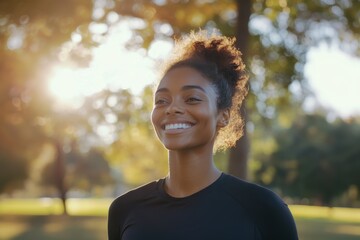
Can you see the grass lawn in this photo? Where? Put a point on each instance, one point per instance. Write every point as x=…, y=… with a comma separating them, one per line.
x=55, y=227
x=41, y=219
x=322, y=229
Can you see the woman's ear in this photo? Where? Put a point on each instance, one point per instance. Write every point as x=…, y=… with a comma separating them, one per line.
x=224, y=118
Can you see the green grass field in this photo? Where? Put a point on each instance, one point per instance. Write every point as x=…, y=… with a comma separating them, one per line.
x=25, y=219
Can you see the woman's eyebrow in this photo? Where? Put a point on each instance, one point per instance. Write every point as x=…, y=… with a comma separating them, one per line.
x=184, y=88
x=162, y=90
x=189, y=87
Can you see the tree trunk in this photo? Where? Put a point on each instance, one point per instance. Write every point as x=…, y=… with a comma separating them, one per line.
x=60, y=174
x=238, y=157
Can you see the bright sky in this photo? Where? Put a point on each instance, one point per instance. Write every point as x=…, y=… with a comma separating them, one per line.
x=333, y=75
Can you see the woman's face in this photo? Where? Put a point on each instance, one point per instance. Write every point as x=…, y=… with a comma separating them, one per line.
x=185, y=114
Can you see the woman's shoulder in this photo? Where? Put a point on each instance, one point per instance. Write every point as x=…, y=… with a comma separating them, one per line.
x=124, y=204
x=250, y=192
x=270, y=212
x=135, y=195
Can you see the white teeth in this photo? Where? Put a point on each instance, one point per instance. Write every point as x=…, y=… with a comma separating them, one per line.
x=177, y=126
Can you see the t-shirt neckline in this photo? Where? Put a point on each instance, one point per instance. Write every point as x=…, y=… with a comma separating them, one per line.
x=164, y=194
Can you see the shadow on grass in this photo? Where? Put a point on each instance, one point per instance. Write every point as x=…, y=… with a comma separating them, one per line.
x=52, y=227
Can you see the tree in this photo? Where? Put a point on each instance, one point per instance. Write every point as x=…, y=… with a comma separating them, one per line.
x=10, y=165
x=32, y=34
x=280, y=34
x=239, y=154
x=313, y=159
x=81, y=128
x=29, y=44
x=32, y=40
x=137, y=151
x=77, y=170
x=190, y=15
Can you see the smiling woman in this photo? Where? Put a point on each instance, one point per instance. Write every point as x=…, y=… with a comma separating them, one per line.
x=196, y=105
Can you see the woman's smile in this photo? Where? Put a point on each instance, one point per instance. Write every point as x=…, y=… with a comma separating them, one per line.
x=174, y=126
x=185, y=113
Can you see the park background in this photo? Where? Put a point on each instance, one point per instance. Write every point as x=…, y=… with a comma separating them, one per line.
x=76, y=96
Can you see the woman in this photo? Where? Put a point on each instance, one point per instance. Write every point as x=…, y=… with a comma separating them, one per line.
x=196, y=113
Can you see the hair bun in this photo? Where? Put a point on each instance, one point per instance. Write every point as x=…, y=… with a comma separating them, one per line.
x=219, y=50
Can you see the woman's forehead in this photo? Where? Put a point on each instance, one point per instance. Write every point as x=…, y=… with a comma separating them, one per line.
x=182, y=76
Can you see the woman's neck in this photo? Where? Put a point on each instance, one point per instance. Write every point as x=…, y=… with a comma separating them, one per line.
x=189, y=172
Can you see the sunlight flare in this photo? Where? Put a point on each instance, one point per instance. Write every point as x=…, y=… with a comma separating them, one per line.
x=113, y=67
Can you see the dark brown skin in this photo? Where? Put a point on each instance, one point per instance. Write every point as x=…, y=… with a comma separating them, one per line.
x=186, y=97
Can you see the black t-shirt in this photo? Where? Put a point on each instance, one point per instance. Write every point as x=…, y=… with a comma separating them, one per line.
x=227, y=209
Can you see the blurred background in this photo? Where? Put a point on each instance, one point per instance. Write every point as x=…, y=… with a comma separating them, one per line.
x=76, y=79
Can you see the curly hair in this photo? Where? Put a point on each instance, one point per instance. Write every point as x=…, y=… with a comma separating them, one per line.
x=217, y=58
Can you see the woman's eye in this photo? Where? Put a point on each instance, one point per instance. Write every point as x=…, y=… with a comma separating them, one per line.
x=193, y=100
x=160, y=101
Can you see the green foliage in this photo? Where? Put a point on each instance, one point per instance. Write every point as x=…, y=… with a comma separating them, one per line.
x=281, y=33
x=36, y=34
x=177, y=17
x=41, y=25
x=137, y=153
x=8, y=166
x=313, y=159
x=84, y=171
x=31, y=34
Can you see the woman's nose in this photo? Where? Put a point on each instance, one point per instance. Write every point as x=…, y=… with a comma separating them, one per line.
x=174, y=108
